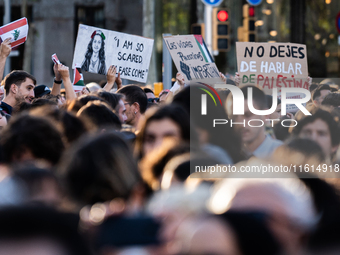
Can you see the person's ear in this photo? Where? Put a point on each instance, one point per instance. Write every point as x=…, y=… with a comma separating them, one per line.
x=14, y=88
x=136, y=107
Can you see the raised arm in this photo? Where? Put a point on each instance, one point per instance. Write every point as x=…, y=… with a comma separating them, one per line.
x=110, y=78
x=65, y=75
x=57, y=81
x=5, y=50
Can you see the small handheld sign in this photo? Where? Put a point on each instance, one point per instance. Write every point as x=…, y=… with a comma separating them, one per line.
x=212, y=2
x=55, y=59
x=337, y=22
x=16, y=30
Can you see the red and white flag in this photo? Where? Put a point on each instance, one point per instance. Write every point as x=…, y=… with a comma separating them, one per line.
x=55, y=59
x=16, y=30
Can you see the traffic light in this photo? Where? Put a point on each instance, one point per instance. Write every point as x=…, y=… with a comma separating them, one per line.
x=249, y=23
x=221, y=29
x=198, y=29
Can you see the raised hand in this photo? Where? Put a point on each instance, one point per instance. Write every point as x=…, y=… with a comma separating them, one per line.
x=56, y=73
x=63, y=71
x=118, y=81
x=180, y=79
x=237, y=79
x=5, y=48
x=111, y=75
x=186, y=70
x=224, y=79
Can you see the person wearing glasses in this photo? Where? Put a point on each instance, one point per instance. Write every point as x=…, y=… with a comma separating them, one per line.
x=135, y=101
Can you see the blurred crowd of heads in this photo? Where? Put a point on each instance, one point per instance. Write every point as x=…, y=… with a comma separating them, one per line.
x=116, y=173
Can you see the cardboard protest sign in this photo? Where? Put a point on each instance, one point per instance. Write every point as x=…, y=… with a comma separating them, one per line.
x=96, y=49
x=192, y=58
x=16, y=30
x=272, y=65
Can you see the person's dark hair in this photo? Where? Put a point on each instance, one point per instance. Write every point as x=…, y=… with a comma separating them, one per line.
x=332, y=99
x=307, y=147
x=322, y=114
x=26, y=223
x=99, y=169
x=78, y=103
x=33, y=178
x=134, y=94
x=252, y=233
x=281, y=132
x=17, y=77
x=223, y=136
x=317, y=92
x=67, y=123
x=269, y=100
x=52, y=98
x=184, y=169
x=150, y=104
x=100, y=115
x=110, y=98
x=173, y=112
x=21, y=107
x=153, y=164
x=313, y=86
x=182, y=98
x=325, y=239
x=147, y=90
x=86, y=64
x=230, y=82
x=35, y=135
x=88, y=98
x=37, y=102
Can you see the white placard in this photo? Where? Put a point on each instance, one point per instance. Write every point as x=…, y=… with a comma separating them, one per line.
x=96, y=49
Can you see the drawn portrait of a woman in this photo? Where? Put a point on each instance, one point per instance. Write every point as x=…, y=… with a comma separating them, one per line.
x=94, y=61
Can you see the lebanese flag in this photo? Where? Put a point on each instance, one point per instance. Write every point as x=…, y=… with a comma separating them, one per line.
x=78, y=79
x=55, y=59
x=16, y=30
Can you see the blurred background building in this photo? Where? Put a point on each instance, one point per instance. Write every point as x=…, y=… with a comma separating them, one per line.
x=54, y=26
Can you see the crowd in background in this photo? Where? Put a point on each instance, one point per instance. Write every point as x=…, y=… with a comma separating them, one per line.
x=111, y=170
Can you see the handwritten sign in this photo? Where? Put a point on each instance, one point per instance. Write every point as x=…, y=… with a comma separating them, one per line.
x=192, y=58
x=96, y=49
x=272, y=65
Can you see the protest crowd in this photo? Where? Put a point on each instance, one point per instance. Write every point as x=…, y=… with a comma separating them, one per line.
x=113, y=169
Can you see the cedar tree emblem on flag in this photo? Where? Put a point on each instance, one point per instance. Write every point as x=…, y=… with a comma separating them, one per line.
x=16, y=34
